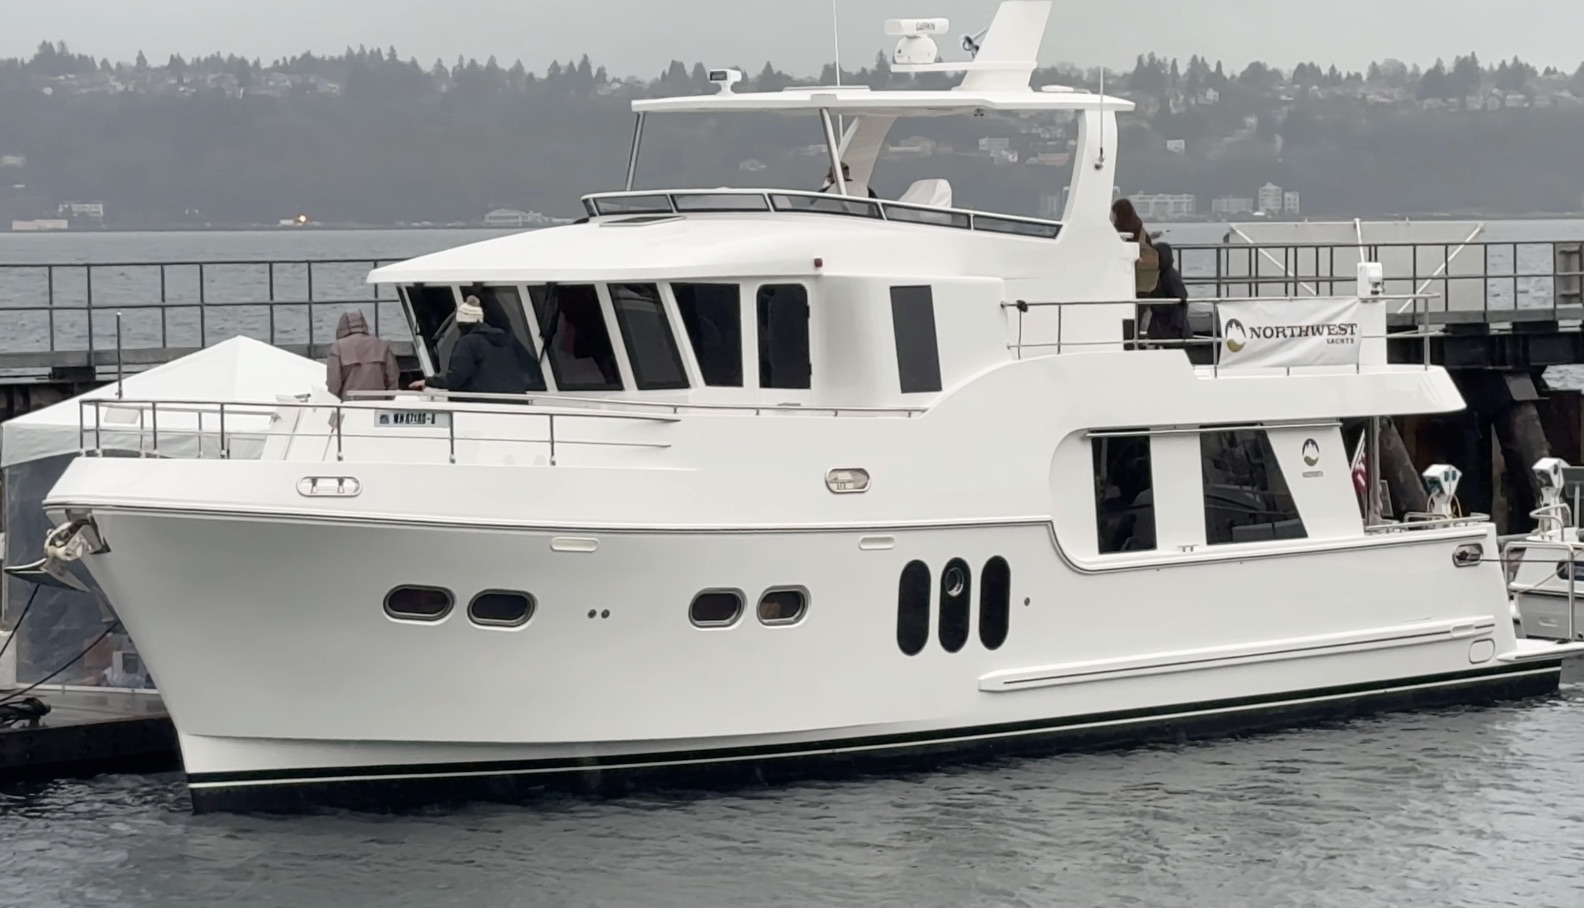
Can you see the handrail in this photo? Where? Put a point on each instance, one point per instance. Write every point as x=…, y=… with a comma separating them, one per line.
x=1571, y=549
x=551, y=398
x=336, y=425
x=882, y=209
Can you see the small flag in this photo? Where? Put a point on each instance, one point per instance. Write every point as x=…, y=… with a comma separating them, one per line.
x=1360, y=468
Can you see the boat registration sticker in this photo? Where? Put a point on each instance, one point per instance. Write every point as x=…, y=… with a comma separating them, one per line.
x=423, y=419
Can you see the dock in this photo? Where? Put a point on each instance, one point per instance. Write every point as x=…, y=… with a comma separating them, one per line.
x=87, y=733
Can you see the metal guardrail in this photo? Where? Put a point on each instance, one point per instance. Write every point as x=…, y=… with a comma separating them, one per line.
x=94, y=426
x=61, y=308
x=702, y=201
x=1535, y=279
x=1422, y=331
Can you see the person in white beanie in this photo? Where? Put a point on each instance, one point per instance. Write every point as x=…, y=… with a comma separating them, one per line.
x=483, y=360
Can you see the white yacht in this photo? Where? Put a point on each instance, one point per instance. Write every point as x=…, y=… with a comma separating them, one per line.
x=812, y=481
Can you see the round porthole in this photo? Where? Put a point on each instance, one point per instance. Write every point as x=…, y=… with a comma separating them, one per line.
x=954, y=582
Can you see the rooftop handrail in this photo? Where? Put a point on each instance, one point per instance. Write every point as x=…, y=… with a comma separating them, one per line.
x=881, y=209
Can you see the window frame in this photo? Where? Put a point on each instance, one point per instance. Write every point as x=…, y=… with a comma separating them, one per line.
x=409, y=618
x=1001, y=606
x=742, y=608
x=528, y=615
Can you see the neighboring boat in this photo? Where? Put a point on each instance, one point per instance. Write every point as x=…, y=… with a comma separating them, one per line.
x=814, y=481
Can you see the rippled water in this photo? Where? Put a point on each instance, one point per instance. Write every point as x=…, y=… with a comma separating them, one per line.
x=1475, y=807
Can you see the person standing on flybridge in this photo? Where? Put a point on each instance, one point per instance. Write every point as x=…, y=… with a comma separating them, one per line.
x=483, y=361
x=358, y=361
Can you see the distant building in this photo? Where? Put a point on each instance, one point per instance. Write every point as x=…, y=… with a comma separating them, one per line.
x=511, y=217
x=1270, y=199
x=1176, y=146
x=1052, y=205
x=13, y=160
x=992, y=145
x=1165, y=206
x=94, y=211
x=1231, y=206
x=1050, y=159
x=752, y=165
x=1290, y=203
x=41, y=224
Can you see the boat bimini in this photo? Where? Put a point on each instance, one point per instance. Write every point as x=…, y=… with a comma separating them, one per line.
x=811, y=480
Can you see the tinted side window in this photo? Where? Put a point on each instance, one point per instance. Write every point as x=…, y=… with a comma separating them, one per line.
x=432, y=310
x=712, y=314
x=651, y=347
x=1124, y=494
x=418, y=603
x=503, y=309
x=956, y=584
x=913, y=324
x=1246, y=495
x=784, y=337
x=913, y=608
x=573, y=327
x=995, y=602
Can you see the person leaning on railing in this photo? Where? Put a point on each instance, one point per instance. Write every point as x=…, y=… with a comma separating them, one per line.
x=1156, y=276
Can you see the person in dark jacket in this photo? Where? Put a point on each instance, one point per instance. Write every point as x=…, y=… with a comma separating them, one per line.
x=1169, y=322
x=483, y=360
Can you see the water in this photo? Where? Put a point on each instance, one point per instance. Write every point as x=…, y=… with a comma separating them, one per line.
x=1474, y=807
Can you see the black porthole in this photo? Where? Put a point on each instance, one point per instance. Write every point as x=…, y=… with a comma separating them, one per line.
x=955, y=586
x=501, y=608
x=913, y=608
x=995, y=602
x=418, y=603
x=716, y=608
x=783, y=606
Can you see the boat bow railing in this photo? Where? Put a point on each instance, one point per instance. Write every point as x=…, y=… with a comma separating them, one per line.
x=648, y=204
x=193, y=429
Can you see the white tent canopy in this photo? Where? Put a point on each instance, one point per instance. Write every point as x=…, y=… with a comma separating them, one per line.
x=240, y=370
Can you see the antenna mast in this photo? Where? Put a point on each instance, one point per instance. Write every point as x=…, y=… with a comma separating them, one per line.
x=1100, y=164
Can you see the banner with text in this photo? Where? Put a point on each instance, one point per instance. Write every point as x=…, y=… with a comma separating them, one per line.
x=1323, y=331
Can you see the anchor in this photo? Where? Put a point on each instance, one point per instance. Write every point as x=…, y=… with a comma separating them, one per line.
x=64, y=545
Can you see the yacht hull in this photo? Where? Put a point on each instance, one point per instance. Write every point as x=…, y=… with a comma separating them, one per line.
x=291, y=687
x=386, y=786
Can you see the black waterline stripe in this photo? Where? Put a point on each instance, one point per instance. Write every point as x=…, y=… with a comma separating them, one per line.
x=936, y=736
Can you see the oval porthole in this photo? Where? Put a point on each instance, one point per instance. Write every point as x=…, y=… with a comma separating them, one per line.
x=995, y=602
x=913, y=608
x=716, y=608
x=1468, y=555
x=501, y=608
x=418, y=603
x=954, y=606
x=783, y=606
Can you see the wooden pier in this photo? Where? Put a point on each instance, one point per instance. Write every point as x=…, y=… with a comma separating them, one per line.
x=1498, y=316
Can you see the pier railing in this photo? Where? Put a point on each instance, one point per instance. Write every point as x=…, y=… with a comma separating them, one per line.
x=63, y=315
x=1485, y=281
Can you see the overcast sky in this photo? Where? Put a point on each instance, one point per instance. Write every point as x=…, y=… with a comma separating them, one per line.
x=638, y=37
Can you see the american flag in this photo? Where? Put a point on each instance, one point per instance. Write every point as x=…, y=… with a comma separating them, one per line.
x=1360, y=469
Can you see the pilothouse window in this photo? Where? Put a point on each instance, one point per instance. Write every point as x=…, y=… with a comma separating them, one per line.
x=913, y=326
x=1124, y=494
x=572, y=325
x=784, y=337
x=712, y=314
x=651, y=347
x=1246, y=496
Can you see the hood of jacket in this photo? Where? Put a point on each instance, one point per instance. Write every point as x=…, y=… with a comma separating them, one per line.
x=351, y=323
x=490, y=333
